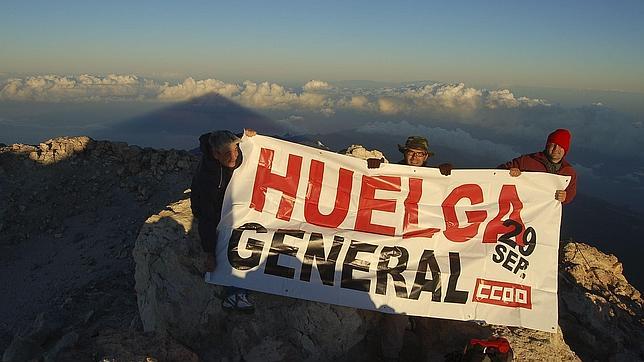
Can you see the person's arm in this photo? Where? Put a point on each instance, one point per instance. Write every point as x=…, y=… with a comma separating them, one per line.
x=513, y=163
x=208, y=221
x=194, y=197
x=514, y=166
x=205, y=196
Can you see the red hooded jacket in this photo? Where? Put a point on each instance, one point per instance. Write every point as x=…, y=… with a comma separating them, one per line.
x=537, y=162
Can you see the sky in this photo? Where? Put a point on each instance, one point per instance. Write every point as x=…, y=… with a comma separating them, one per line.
x=572, y=44
x=484, y=80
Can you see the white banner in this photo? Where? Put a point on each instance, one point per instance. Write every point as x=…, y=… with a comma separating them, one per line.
x=316, y=225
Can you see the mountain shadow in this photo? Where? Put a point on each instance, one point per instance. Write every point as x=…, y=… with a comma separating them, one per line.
x=179, y=125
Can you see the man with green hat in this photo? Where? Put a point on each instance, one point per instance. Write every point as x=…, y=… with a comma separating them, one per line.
x=392, y=327
x=416, y=153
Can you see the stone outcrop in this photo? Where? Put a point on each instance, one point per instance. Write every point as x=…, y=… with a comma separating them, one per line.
x=70, y=211
x=360, y=151
x=115, y=346
x=173, y=297
x=43, y=340
x=600, y=312
x=132, y=159
x=70, y=174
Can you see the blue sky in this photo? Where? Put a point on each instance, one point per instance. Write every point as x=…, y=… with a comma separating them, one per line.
x=570, y=44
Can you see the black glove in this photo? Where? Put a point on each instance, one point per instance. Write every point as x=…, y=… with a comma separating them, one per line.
x=445, y=168
x=374, y=162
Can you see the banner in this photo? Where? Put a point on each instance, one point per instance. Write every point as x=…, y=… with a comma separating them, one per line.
x=316, y=225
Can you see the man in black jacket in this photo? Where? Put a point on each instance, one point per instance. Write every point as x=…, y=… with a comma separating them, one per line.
x=220, y=157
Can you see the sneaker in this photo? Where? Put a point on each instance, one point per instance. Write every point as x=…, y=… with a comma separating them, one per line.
x=239, y=302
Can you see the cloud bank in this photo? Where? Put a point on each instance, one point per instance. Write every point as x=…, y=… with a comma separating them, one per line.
x=316, y=95
x=83, y=88
x=507, y=118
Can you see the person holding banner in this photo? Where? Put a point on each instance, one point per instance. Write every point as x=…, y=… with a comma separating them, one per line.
x=416, y=153
x=550, y=160
x=220, y=157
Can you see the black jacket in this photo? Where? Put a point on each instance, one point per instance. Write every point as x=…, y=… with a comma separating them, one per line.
x=207, y=194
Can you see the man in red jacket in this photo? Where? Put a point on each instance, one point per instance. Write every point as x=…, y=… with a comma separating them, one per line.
x=550, y=160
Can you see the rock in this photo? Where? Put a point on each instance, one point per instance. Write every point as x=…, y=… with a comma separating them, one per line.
x=44, y=326
x=21, y=349
x=530, y=345
x=360, y=152
x=173, y=298
x=88, y=316
x=58, y=149
x=68, y=340
x=600, y=312
x=114, y=345
x=30, y=343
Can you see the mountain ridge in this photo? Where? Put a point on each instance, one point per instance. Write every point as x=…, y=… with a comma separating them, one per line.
x=72, y=208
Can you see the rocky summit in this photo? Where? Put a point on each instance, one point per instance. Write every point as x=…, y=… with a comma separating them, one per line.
x=100, y=261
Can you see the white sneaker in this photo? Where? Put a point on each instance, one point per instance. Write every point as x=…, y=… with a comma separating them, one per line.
x=239, y=302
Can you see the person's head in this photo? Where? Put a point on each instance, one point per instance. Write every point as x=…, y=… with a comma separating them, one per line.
x=223, y=147
x=415, y=150
x=558, y=144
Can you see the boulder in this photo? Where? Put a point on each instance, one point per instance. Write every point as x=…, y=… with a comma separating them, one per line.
x=600, y=312
x=57, y=149
x=110, y=345
x=33, y=341
x=173, y=298
x=361, y=152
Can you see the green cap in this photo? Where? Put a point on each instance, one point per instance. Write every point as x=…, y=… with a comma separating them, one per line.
x=416, y=142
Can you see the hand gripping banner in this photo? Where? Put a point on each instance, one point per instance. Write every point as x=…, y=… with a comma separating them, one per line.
x=320, y=226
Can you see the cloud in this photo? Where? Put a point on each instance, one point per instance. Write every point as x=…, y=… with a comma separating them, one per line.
x=317, y=95
x=443, y=137
x=314, y=85
x=110, y=88
x=438, y=98
x=191, y=89
x=84, y=88
x=293, y=123
x=359, y=102
x=635, y=177
x=504, y=98
x=390, y=105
